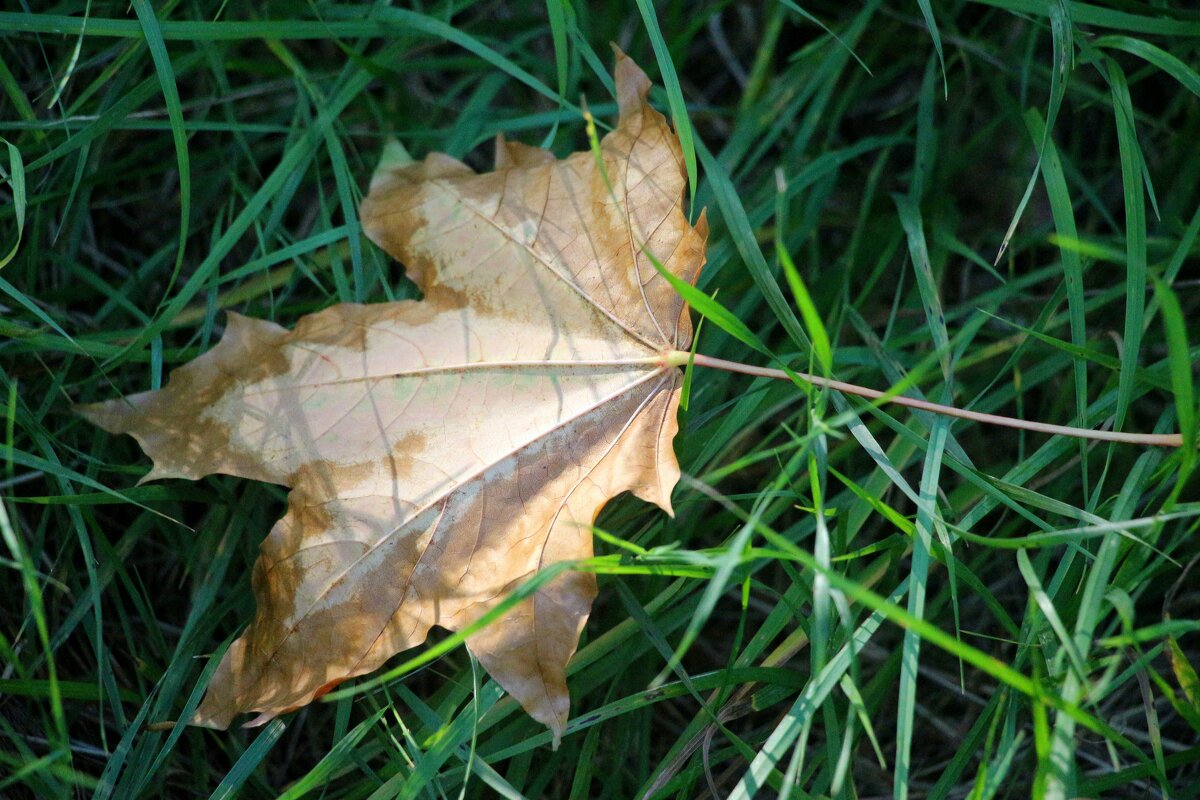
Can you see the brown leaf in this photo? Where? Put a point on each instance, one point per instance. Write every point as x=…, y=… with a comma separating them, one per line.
x=441, y=452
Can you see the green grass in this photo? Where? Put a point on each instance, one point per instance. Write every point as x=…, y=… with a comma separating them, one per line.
x=850, y=602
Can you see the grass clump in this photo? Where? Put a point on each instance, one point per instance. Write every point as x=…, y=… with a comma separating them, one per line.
x=851, y=601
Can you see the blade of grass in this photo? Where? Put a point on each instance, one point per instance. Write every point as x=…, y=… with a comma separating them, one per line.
x=1135, y=239
x=679, y=114
x=16, y=182
x=1062, y=31
x=1182, y=381
x=170, y=92
x=917, y=581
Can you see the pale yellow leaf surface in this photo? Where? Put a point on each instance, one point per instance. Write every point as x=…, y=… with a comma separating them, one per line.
x=440, y=452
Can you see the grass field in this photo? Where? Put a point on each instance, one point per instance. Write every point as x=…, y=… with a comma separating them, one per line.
x=992, y=203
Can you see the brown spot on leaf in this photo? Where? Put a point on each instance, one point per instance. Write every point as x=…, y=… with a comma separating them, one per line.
x=446, y=299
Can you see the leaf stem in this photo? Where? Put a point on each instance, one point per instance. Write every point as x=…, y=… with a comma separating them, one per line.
x=1159, y=439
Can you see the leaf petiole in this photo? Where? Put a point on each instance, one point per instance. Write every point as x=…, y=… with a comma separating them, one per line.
x=680, y=357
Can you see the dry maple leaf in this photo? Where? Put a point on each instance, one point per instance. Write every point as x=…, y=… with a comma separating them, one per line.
x=440, y=452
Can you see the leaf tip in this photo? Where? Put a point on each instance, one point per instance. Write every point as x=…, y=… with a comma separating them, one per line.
x=158, y=473
x=514, y=155
x=259, y=720
x=394, y=156
x=632, y=84
x=214, y=722
x=103, y=415
x=660, y=495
